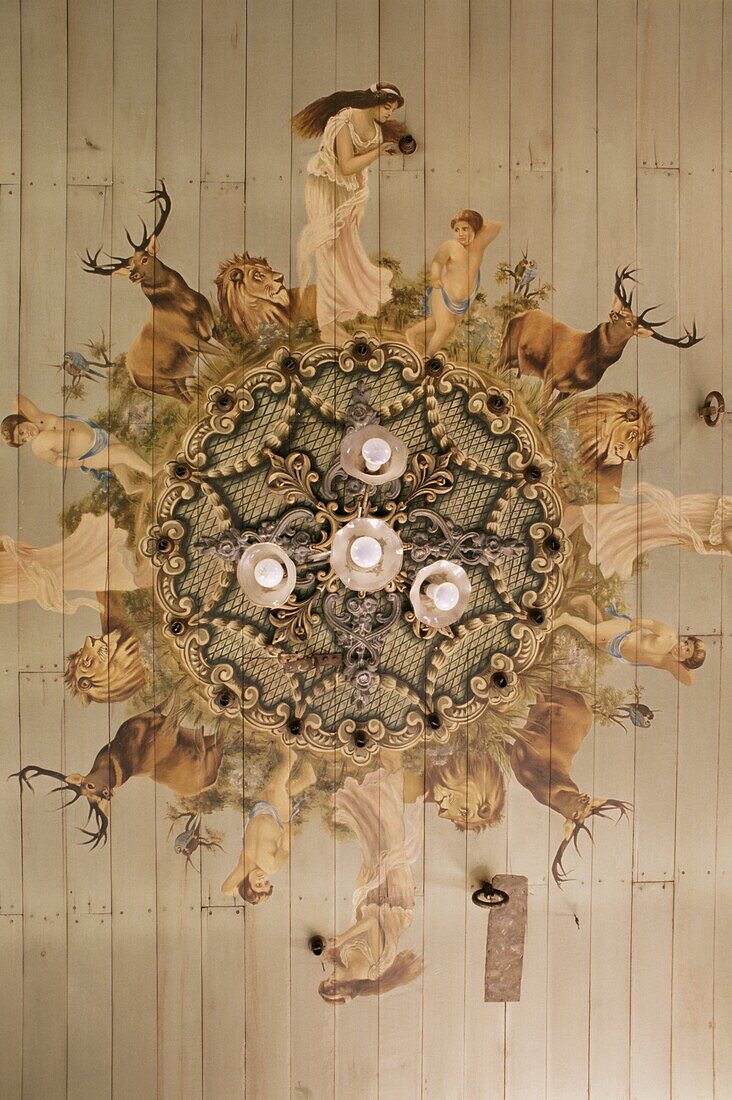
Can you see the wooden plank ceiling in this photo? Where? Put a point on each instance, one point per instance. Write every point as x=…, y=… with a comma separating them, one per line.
x=597, y=132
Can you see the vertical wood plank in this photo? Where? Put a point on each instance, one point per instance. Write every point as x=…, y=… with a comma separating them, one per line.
x=658, y=84
x=700, y=294
x=532, y=834
x=178, y=910
x=313, y=902
x=722, y=970
x=133, y=840
x=270, y=48
x=614, y=750
x=574, y=149
x=696, y=838
x=89, y=150
x=45, y=1020
x=10, y=108
x=223, y=91
x=10, y=858
x=723, y=895
x=43, y=251
x=223, y=1015
x=11, y=1013
x=574, y=276
x=490, y=124
x=650, y=991
x=531, y=82
x=447, y=146
x=488, y=191
x=659, y=464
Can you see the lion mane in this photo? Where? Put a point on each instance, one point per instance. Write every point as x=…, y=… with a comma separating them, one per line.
x=123, y=676
x=596, y=419
x=252, y=294
x=483, y=775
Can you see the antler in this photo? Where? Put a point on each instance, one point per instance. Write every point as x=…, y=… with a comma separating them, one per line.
x=101, y=834
x=627, y=272
x=160, y=195
x=32, y=771
x=686, y=341
x=92, y=265
x=558, y=873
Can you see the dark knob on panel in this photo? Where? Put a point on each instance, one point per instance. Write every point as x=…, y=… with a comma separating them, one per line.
x=317, y=945
x=407, y=144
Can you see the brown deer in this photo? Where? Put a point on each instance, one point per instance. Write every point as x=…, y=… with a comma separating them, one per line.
x=182, y=322
x=153, y=745
x=569, y=360
x=541, y=759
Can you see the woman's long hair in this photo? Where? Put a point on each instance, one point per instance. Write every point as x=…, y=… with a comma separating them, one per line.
x=311, y=121
x=406, y=967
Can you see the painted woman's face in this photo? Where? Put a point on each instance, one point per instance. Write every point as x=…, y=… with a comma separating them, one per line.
x=25, y=431
x=683, y=649
x=463, y=233
x=385, y=110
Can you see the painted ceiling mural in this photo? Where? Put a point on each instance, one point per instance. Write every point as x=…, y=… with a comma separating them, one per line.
x=230, y=512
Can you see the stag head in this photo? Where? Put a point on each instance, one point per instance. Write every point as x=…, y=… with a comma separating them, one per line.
x=626, y=322
x=142, y=266
x=575, y=825
x=96, y=793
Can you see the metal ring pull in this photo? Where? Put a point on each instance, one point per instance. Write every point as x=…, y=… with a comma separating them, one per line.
x=712, y=411
x=488, y=896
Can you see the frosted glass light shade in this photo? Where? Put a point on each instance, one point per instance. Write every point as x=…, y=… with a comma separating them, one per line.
x=266, y=574
x=373, y=446
x=440, y=593
x=366, y=554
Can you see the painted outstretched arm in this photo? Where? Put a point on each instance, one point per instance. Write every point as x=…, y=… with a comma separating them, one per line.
x=487, y=234
x=25, y=407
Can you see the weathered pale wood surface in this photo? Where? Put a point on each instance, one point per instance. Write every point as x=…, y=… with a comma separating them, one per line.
x=598, y=131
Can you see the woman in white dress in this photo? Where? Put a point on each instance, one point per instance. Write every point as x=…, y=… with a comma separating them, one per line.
x=647, y=518
x=365, y=958
x=355, y=128
x=92, y=559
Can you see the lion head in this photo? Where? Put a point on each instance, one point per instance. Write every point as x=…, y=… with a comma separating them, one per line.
x=471, y=794
x=106, y=669
x=613, y=427
x=252, y=294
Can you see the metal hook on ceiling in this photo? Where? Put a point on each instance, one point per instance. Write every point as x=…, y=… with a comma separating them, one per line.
x=712, y=411
x=489, y=896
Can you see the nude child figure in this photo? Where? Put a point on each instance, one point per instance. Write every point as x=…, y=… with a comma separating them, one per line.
x=641, y=642
x=266, y=840
x=454, y=281
x=73, y=441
